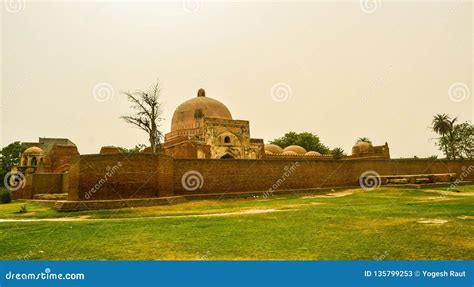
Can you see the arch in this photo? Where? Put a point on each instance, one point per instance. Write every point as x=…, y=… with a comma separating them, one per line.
x=227, y=156
x=34, y=161
x=228, y=138
x=62, y=168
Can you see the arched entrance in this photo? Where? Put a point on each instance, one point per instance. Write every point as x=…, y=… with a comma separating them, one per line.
x=227, y=156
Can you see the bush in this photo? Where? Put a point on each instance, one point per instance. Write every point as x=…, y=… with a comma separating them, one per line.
x=23, y=209
x=337, y=153
x=5, y=196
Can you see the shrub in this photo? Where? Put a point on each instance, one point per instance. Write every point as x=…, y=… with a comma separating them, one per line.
x=337, y=153
x=5, y=196
x=23, y=209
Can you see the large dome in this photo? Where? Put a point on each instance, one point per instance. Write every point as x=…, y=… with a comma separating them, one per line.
x=188, y=113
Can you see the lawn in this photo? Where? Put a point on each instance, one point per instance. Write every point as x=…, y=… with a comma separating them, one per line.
x=354, y=224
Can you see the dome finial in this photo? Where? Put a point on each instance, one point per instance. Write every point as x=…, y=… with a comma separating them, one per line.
x=201, y=93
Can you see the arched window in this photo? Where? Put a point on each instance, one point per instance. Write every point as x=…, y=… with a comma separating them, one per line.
x=227, y=139
x=33, y=161
x=25, y=161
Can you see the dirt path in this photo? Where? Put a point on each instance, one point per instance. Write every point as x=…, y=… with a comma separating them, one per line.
x=87, y=218
x=333, y=194
x=451, y=193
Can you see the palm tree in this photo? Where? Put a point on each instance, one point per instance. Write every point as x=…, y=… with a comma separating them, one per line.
x=452, y=137
x=443, y=125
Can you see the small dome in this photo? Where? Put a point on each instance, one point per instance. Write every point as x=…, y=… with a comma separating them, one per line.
x=109, y=150
x=289, y=152
x=312, y=153
x=273, y=148
x=295, y=148
x=188, y=113
x=361, y=147
x=34, y=150
x=267, y=152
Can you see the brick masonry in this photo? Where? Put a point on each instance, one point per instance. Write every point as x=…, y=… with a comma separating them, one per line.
x=261, y=175
x=141, y=175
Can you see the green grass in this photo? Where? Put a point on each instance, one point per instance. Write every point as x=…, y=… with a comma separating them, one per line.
x=380, y=224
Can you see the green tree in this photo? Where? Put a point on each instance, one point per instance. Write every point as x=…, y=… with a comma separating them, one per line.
x=364, y=139
x=147, y=110
x=460, y=140
x=443, y=125
x=337, y=153
x=307, y=140
x=9, y=156
x=464, y=140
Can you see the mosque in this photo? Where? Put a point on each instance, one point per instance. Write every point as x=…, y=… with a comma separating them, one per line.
x=203, y=127
x=206, y=147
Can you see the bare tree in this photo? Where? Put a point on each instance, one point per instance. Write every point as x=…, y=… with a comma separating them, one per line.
x=146, y=113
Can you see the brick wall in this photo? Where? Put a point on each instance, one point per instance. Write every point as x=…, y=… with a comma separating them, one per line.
x=40, y=183
x=47, y=183
x=120, y=176
x=261, y=175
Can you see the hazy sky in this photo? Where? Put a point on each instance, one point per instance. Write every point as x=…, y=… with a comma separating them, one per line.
x=348, y=69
